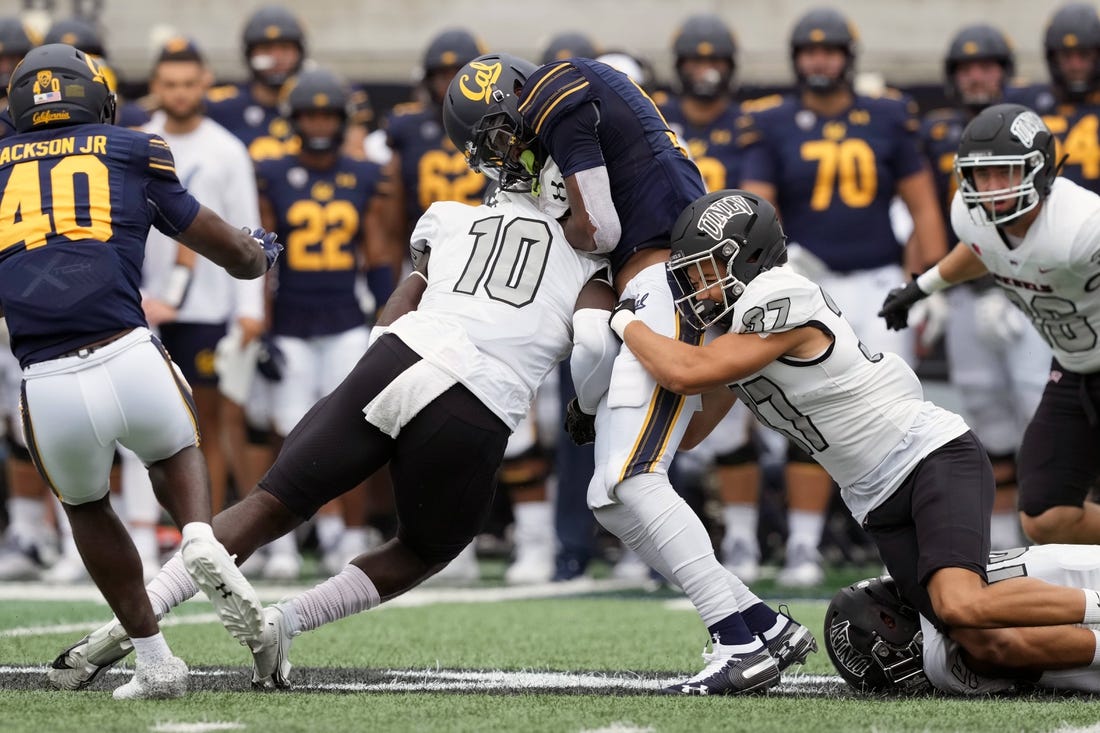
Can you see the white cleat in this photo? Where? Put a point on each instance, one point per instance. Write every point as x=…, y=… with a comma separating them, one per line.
x=67, y=570
x=163, y=680
x=80, y=665
x=271, y=661
x=234, y=598
x=532, y=566
x=741, y=559
x=802, y=570
x=282, y=566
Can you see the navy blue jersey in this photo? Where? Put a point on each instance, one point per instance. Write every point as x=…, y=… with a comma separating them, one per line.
x=319, y=216
x=263, y=131
x=76, y=205
x=713, y=147
x=834, y=177
x=432, y=169
x=1076, y=128
x=939, y=135
x=587, y=115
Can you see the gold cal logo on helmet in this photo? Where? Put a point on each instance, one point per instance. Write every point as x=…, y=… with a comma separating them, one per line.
x=485, y=78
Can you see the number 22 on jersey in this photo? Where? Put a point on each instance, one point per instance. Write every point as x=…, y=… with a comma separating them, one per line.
x=77, y=195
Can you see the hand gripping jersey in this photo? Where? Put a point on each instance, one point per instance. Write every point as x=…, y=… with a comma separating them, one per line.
x=76, y=205
x=834, y=176
x=431, y=168
x=498, y=311
x=1053, y=274
x=319, y=216
x=1075, y=566
x=862, y=416
x=586, y=114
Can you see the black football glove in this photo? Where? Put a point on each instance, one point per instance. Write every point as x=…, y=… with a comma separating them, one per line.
x=269, y=242
x=580, y=426
x=623, y=306
x=895, y=309
x=271, y=361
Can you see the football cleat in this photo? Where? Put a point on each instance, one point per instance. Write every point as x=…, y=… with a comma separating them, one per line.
x=803, y=568
x=234, y=598
x=163, y=680
x=727, y=673
x=793, y=644
x=80, y=665
x=270, y=660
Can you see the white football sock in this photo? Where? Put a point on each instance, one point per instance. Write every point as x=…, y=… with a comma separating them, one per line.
x=329, y=529
x=682, y=542
x=151, y=649
x=340, y=596
x=27, y=518
x=804, y=528
x=172, y=586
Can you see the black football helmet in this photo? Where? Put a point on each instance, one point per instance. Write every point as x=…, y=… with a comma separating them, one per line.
x=874, y=639
x=57, y=85
x=15, y=42
x=568, y=45
x=482, y=119
x=705, y=36
x=450, y=49
x=977, y=42
x=1010, y=135
x=1074, y=26
x=268, y=24
x=725, y=238
x=824, y=27
x=316, y=89
x=77, y=32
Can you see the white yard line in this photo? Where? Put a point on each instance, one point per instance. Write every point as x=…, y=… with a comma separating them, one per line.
x=270, y=594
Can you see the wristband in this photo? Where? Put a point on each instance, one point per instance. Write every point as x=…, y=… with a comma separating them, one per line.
x=620, y=320
x=932, y=281
x=375, y=333
x=421, y=275
x=175, y=289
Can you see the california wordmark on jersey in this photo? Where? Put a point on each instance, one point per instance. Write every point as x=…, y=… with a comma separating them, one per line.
x=497, y=312
x=1053, y=273
x=1075, y=566
x=861, y=415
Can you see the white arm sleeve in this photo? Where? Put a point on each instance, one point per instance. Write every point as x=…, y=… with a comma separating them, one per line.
x=595, y=187
x=594, y=350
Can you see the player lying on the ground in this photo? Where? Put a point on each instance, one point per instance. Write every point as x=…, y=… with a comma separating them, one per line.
x=879, y=643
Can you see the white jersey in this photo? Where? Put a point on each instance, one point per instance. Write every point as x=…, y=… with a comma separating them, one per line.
x=497, y=314
x=1053, y=274
x=214, y=166
x=861, y=415
x=1076, y=566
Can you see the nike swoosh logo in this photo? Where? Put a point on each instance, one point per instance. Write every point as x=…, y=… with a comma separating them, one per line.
x=1045, y=270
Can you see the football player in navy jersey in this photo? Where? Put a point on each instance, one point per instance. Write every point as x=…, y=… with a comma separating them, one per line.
x=627, y=179
x=274, y=43
x=15, y=42
x=425, y=165
x=328, y=206
x=78, y=199
x=995, y=360
x=832, y=161
x=1070, y=105
x=568, y=44
x=704, y=115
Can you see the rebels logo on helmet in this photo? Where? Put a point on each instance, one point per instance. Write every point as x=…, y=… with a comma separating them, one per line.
x=1026, y=126
x=717, y=215
x=844, y=654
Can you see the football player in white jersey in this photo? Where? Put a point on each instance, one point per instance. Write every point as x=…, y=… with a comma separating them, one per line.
x=493, y=305
x=879, y=643
x=911, y=473
x=1038, y=234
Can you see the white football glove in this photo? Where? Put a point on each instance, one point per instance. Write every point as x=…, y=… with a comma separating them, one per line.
x=999, y=322
x=552, y=199
x=929, y=316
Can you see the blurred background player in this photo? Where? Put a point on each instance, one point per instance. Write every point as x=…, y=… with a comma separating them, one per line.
x=15, y=41
x=274, y=44
x=568, y=44
x=996, y=361
x=831, y=160
x=704, y=116
x=328, y=206
x=191, y=301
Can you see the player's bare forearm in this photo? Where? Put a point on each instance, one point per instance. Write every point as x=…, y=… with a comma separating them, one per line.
x=225, y=245
x=961, y=264
x=406, y=297
x=677, y=366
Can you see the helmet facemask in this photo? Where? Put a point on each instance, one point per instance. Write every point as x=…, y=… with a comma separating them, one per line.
x=501, y=150
x=1023, y=169
x=693, y=276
